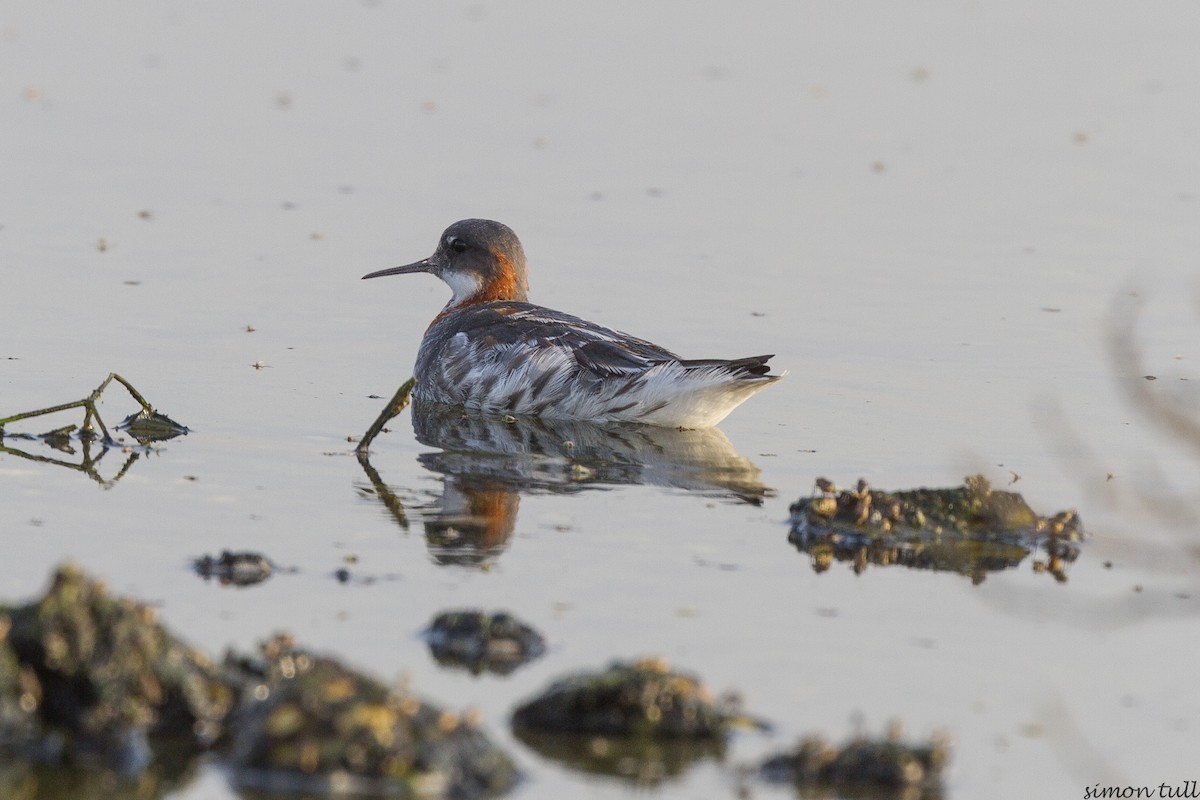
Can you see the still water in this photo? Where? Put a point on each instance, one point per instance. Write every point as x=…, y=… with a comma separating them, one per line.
x=937, y=219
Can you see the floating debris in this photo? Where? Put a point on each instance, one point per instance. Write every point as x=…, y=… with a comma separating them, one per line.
x=146, y=426
x=973, y=508
x=243, y=568
x=971, y=529
x=149, y=426
x=91, y=415
x=309, y=724
x=478, y=641
x=863, y=767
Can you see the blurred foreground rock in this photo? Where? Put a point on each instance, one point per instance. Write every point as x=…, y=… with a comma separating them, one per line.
x=639, y=721
x=309, y=724
x=95, y=684
x=639, y=699
x=862, y=767
x=99, y=677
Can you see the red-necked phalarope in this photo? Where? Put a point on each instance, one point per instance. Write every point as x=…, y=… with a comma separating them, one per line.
x=490, y=349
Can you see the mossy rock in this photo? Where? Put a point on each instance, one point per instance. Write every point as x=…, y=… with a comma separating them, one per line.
x=307, y=723
x=640, y=699
x=104, y=674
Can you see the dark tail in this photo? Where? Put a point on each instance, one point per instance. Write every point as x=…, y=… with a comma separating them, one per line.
x=742, y=367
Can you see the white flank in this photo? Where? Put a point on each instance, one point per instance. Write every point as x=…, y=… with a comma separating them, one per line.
x=499, y=380
x=695, y=398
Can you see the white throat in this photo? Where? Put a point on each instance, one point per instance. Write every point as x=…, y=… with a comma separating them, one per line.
x=464, y=285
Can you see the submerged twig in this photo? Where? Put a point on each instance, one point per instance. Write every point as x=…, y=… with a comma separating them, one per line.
x=89, y=405
x=389, y=499
x=397, y=404
x=145, y=425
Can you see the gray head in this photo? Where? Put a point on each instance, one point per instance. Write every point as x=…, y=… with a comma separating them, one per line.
x=480, y=259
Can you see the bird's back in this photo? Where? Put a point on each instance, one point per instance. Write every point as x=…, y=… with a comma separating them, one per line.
x=519, y=358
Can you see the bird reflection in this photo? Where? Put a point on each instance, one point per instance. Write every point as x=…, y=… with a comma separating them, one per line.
x=474, y=522
x=489, y=461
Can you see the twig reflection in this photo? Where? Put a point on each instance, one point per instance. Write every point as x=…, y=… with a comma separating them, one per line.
x=146, y=426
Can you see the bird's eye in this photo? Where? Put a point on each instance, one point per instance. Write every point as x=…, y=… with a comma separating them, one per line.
x=456, y=244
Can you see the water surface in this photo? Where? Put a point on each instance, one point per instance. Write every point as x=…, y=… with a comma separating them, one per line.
x=929, y=216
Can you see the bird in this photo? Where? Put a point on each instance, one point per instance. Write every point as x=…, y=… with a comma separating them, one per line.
x=492, y=350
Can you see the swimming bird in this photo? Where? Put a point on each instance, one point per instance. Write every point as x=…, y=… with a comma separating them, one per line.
x=491, y=349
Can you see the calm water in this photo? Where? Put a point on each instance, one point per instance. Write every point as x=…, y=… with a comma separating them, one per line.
x=929, y=215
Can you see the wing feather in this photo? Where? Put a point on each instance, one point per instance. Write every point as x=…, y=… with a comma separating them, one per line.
x=492, y=331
